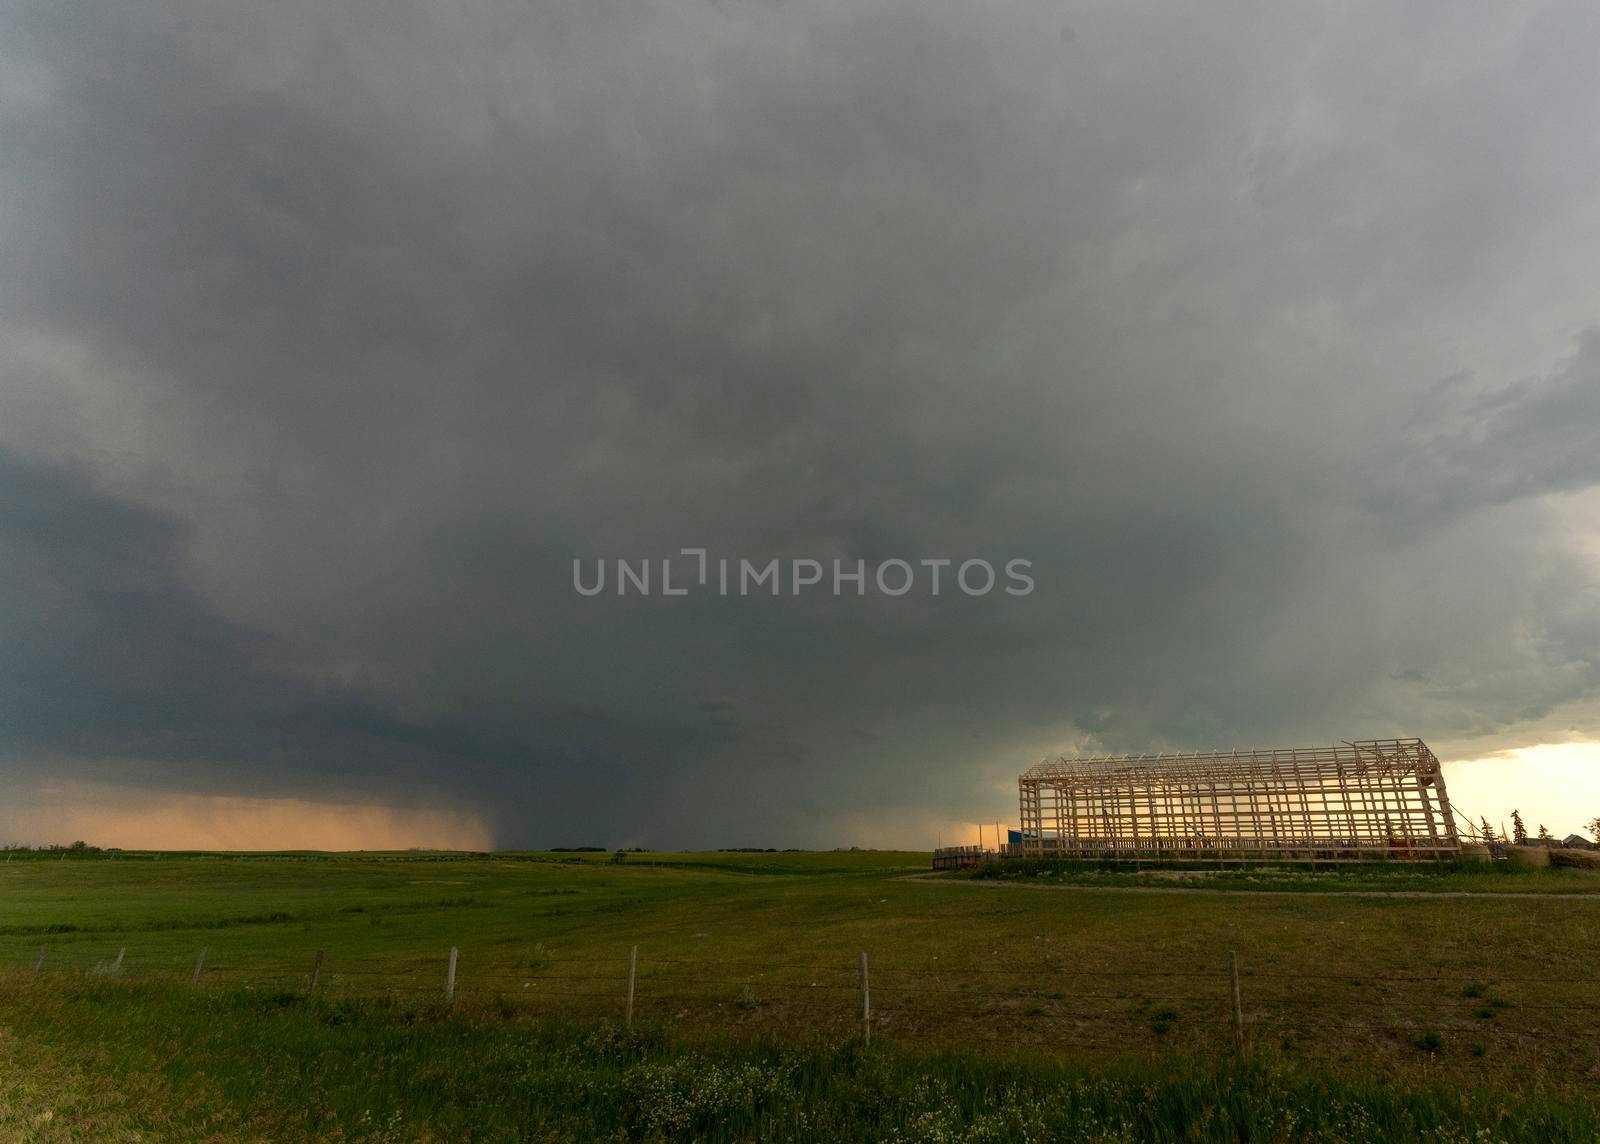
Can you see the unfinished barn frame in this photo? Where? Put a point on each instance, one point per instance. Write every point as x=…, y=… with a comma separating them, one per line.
x=1358, y=800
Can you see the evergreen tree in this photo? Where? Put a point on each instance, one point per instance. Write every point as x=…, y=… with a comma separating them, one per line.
x=1544, y=833
x=1488, y=831
x=1519, y=832
x=1594, y=828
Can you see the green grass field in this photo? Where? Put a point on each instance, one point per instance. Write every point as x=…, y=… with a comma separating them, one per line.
x=1000, y=1009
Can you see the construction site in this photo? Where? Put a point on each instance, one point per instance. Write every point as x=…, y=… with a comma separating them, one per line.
x=1349, y=802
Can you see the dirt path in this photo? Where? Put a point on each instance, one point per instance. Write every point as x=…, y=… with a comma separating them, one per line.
x=1000, y=883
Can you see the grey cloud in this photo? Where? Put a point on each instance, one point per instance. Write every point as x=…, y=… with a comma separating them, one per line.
x=372, y=318
x=116, y=669
x=1534, y=437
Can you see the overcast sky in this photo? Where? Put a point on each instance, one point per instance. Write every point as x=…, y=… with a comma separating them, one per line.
x=330, y=336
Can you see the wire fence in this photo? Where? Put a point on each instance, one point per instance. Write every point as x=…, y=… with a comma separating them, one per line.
x=1041, y=1003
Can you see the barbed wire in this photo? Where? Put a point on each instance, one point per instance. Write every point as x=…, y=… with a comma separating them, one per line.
x=903, y=996
x=886, y=977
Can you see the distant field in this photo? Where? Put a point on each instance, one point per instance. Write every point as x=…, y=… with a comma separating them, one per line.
x=742, y=956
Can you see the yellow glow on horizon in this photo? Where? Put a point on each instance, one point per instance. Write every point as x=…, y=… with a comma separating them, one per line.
x=1557, y=784
x=132, y=819
x=970, y=833
x=1554, y=784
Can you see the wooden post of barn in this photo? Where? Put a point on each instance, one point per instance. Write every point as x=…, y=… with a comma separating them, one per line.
x=199, y=964
x=450, y=978
x=1238, y=1008
x=866, y=1001
x=316, y=972
x=633, y=966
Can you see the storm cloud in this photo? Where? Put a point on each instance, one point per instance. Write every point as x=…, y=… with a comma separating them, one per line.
x=332, y=335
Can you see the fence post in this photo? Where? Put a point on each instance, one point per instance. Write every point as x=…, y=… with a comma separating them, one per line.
x=866, y=1001
x=450, y=977
x=38, y=962
x=199, y=963
x=316, y=972
x=633, y=966
x=1238, y=1008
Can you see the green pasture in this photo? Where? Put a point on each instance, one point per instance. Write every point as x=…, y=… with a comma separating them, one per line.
x=750, y=961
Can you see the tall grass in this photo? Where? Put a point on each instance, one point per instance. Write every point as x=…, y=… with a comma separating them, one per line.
x=241, y=1064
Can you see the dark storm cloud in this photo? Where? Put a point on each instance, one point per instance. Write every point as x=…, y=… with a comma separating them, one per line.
x=1539, y=435
x=365, y=322
x=114, y=661
x=118, y=671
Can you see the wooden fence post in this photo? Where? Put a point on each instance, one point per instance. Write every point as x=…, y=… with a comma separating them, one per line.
x=450, y=977
x=316, y=972
x=1238, y=1008
x=199, y=963
x=633, y=966
x=38, y=962
x=866, y=1001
